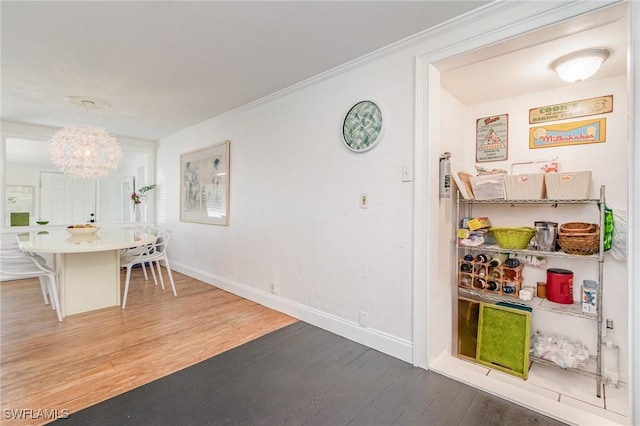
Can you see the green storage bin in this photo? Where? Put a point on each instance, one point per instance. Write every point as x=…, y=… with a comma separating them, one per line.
x=503, y=339
x=468, y=313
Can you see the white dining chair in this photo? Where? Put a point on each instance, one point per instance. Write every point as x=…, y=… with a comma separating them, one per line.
x=15, y=255
x=32, y=265
x=158, y=253
x=155, y=252
x=127, y=253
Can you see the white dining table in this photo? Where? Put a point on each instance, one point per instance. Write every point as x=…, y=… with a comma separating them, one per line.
x=88, y=265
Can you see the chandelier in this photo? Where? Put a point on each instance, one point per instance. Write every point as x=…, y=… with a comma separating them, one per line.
x=84, y=151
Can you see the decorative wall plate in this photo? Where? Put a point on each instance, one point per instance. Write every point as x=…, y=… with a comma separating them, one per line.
x=362, y=127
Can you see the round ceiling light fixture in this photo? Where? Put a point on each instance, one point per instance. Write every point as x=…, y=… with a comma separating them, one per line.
x=84, y=151
x=580, y=65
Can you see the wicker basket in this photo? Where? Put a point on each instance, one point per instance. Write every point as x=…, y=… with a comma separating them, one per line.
x=514, y=238
x=577, y=227
x=581, y=243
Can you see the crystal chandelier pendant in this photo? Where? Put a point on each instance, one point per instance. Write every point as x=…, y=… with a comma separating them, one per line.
x=84, y=151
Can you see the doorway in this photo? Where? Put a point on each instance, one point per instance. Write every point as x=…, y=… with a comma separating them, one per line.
x=439, y=129
x=67, y=201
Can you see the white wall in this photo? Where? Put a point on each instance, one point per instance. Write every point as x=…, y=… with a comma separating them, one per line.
x=25, y=175
x=294, y=214
x=453, y=139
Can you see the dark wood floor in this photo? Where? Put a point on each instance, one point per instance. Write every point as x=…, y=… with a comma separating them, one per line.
x=302, y=375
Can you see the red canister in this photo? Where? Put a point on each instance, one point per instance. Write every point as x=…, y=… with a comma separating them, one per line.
x=560, y=286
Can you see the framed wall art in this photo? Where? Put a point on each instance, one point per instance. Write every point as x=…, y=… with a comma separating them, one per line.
x=572, y=109
x=570, y=133
x=492, y=138
x=204, y=194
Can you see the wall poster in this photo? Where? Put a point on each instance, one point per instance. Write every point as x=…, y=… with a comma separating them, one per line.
x=573, y=133
x=491, y=138
x=573, y=109
x=204, y=195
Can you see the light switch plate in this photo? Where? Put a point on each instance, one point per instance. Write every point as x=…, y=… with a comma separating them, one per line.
x=406, y=173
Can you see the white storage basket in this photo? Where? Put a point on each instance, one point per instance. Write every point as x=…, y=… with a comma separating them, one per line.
x=527, y=186
x=568, y=185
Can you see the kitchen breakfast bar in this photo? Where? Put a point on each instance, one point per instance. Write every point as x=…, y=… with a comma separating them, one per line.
x=88, y=264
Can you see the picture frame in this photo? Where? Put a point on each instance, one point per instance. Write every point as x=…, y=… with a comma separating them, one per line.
x=492, y=138
x=204, y=190
x=569, y=133
x=571, y=109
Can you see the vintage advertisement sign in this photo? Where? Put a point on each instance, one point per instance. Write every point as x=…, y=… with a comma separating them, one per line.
x=491, y=138
x=573, y=109
x=573, y=133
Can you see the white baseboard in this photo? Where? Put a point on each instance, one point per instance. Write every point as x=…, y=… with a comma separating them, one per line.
x=374, y=339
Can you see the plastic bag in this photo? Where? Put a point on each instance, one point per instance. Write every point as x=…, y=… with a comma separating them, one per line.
x=619, y=235
x=608, y=228
x=561, y=350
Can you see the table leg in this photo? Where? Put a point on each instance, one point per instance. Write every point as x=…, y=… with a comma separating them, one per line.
x=89, y=281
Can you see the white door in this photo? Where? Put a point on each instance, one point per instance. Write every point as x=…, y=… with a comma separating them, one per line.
x=67, y=201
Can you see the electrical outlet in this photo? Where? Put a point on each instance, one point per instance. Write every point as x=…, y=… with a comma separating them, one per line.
x=364, y=200
x=362, y=319
x=272, y=287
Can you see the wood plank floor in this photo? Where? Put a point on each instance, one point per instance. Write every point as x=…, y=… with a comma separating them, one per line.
x=90, y=357
x=302, y=375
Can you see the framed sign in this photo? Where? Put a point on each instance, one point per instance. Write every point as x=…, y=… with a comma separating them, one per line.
x=573, y=133
x=204, y=195
x=573, y=109
x=491, y=138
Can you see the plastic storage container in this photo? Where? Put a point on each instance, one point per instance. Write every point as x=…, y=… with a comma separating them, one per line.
x=560, y=286
x=589, y=297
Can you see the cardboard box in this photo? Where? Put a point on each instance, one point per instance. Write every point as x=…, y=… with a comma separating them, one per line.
x=589, y=297
x=478, y=223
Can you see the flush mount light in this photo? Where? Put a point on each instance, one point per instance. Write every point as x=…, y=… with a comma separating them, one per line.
x=84, y=151
x=578, y=66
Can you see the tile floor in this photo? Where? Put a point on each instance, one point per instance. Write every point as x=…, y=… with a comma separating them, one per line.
x=564, y=395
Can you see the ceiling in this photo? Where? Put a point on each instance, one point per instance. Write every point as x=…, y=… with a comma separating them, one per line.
x=167, y=65
x=521, y=65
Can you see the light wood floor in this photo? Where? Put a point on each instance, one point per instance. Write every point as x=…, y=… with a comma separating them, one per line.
x=88, y=358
